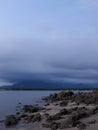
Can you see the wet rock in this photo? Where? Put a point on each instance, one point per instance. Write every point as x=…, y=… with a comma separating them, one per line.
x=1, y=121
x=47, y=104
x=23, y=115
x=17, y=113
x=36, y=104
x=30, y=108
x=32, y=118
x=28, y=119
x=10, y=120
x=18, y=107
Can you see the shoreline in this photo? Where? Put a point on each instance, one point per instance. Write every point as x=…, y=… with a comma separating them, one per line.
x=67, y=107
x=65, y=89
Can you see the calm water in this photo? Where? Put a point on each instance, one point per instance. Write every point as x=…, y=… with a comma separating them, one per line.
x=10, y=99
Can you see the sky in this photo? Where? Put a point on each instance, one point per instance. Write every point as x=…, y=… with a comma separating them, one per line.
x=57, y=38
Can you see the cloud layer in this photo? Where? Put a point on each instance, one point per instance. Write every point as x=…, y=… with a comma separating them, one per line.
x=59, y=39
x=74, y=60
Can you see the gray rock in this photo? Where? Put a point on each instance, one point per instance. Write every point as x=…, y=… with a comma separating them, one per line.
x=30, y=108
x=81, y=126
x=10, y=120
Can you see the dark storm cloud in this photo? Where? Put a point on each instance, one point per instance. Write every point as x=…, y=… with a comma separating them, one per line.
x=54, y=39
x=72, y=62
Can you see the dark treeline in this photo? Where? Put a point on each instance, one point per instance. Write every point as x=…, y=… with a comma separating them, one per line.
x=49, y=89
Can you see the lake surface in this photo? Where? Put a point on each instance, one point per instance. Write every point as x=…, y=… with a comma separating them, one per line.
x=9, y=100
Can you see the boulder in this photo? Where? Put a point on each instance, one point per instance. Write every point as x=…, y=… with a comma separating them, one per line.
x=10, y=120
x=63, y=103
x=52, y=125
x=92, y=122
x=53, y=117
x=63, y=112
x=36, y=118
x=81, y=126
x=30, y=108
x=28, y=119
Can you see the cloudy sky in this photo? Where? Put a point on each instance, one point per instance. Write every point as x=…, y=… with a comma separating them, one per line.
x=57, y=38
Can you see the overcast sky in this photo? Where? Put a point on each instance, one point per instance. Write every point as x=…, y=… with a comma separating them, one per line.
x=49, y=36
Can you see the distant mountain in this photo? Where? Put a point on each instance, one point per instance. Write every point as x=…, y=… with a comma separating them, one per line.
x=47, y=84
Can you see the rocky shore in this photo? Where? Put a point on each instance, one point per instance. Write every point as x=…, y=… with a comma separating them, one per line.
x=63, y=110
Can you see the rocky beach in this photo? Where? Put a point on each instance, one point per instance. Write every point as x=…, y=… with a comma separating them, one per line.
x=63, y=110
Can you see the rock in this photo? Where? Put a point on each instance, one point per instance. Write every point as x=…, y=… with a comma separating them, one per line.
x=23, y=115
x=56, y=104
x=73, y=119
x=53, y=117
x=52, y=125
x=48, y=109
x=37, y=117
x=82, y=112
x=63, y=103
x=10, y=120
x=32, y=118
x=36, y=104
x=63, y=112
x=86, y=98
x=78, y=98
x=59, y=96
x=81, y=126
x=30, y=108
x=46, y=114
x=18, y=107
x=28, y=119
x=64, y=95
x=92, y=122
x=95, y=110
x=69, y=123
x=46, y=104
x=45, y=125
x=1, y=121
x=17, y=113
x=95, y=93
x=71, y=110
